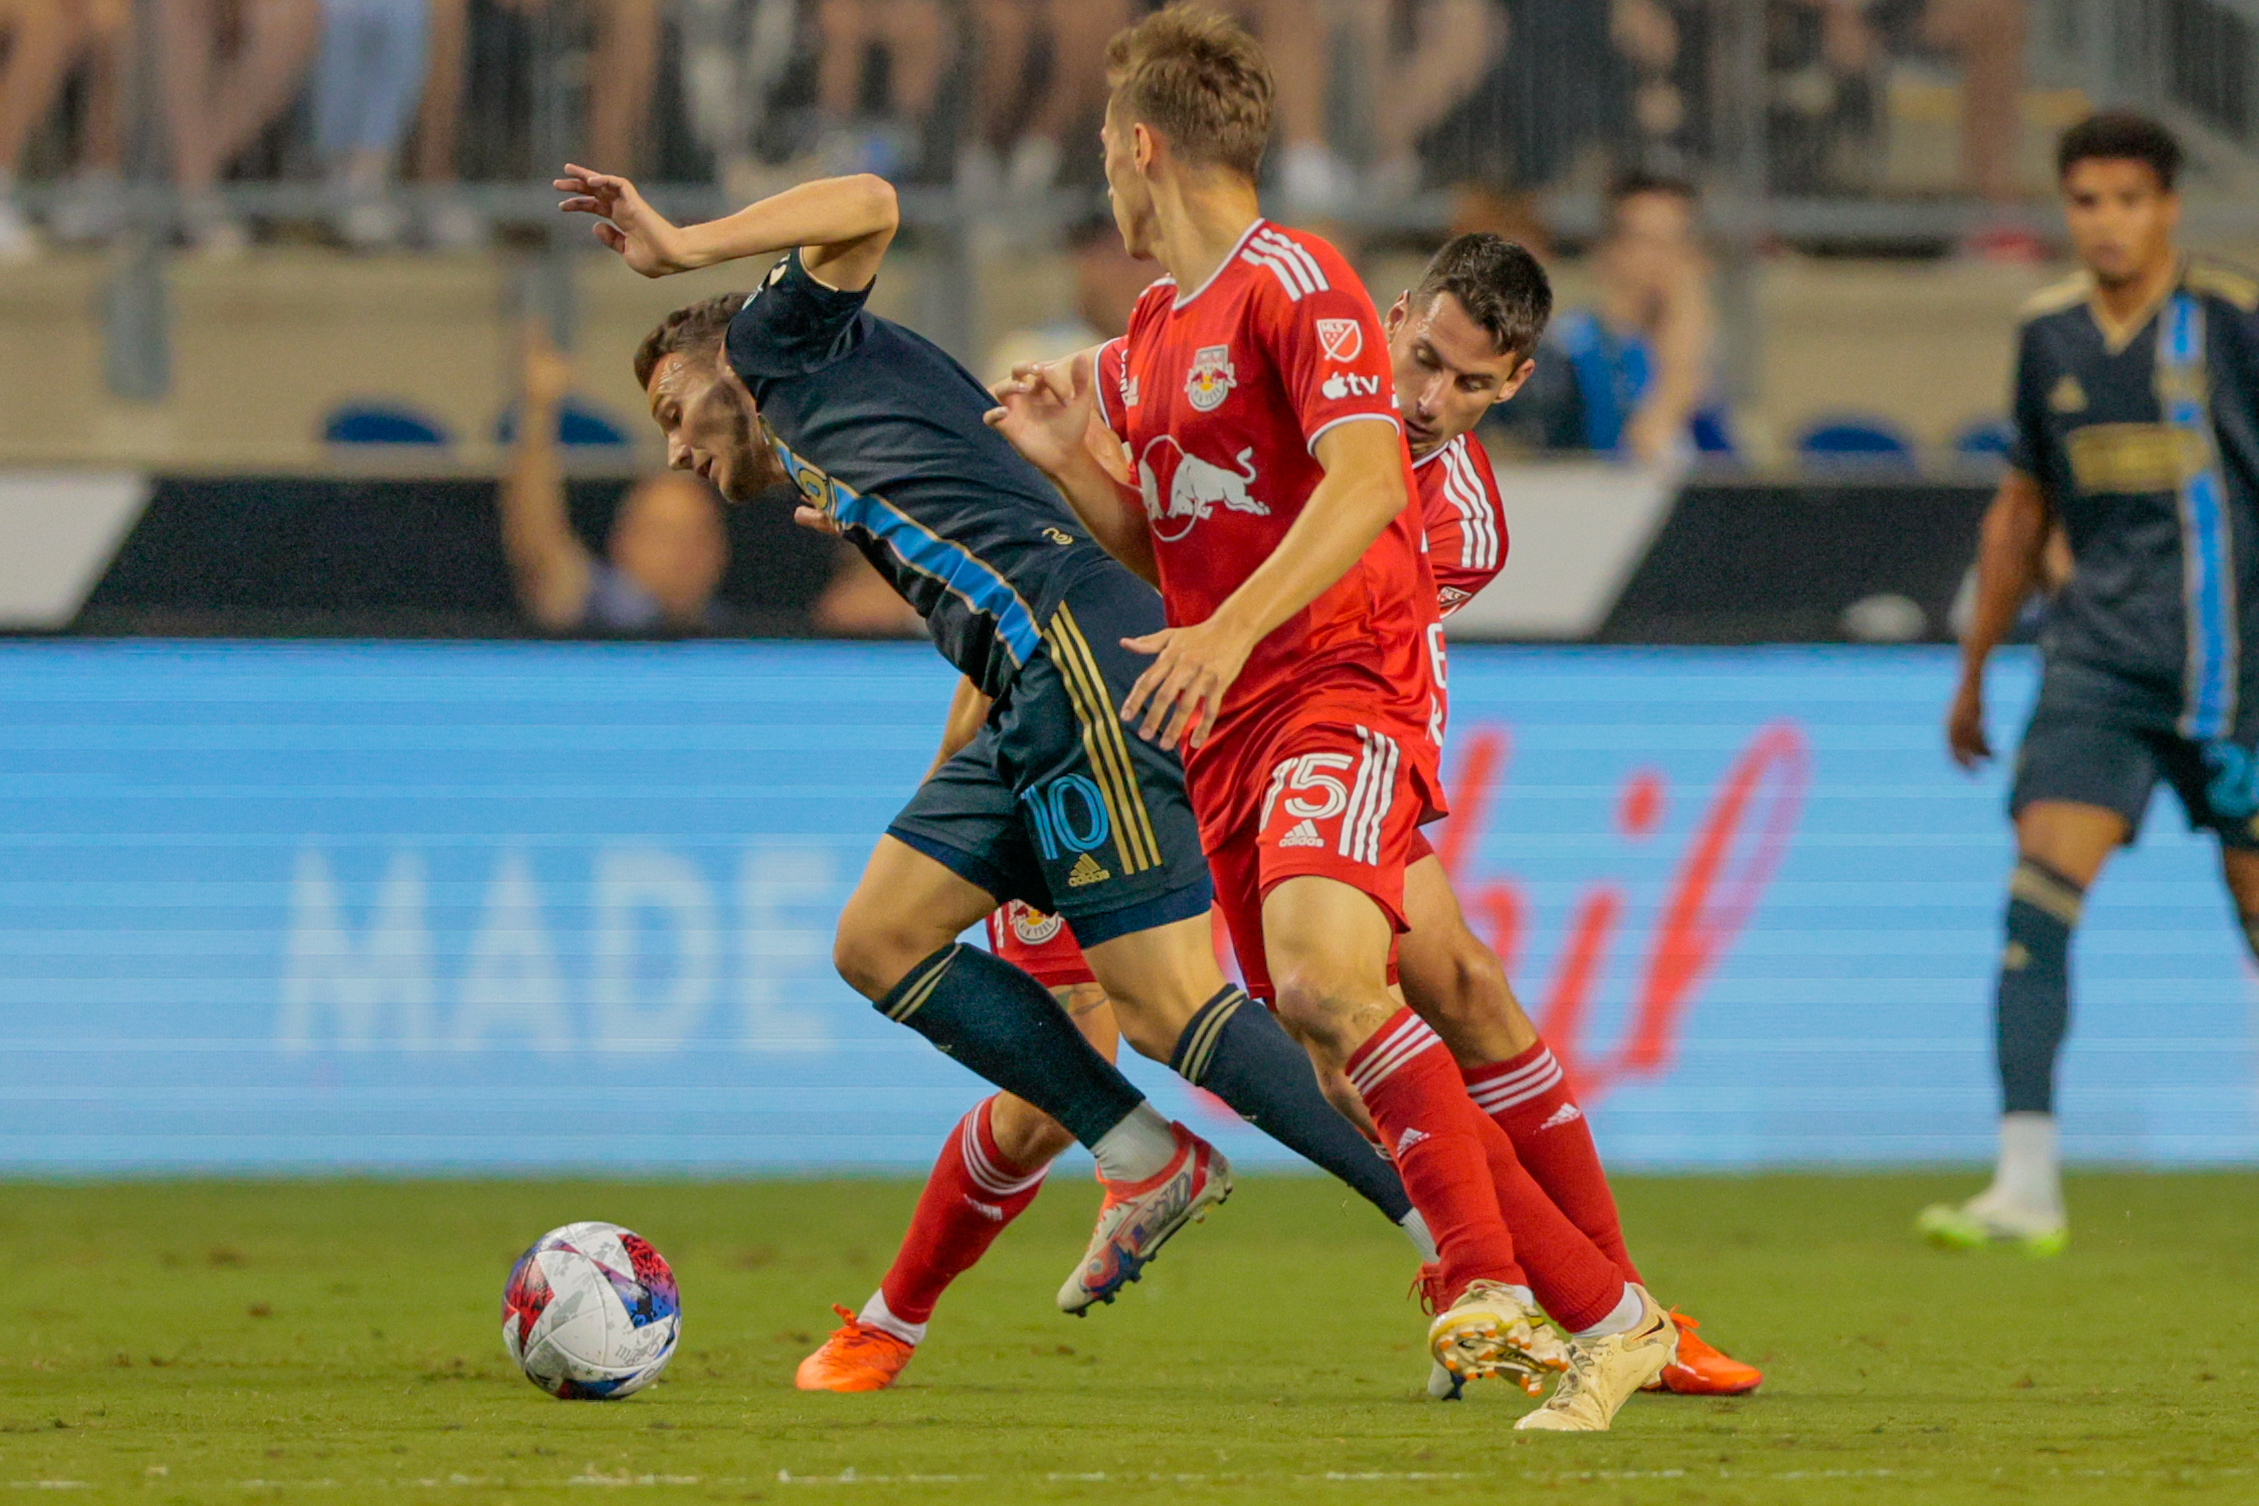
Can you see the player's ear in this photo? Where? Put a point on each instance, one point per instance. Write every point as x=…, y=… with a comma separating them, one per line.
x=1393, y=320
x=1513, y=384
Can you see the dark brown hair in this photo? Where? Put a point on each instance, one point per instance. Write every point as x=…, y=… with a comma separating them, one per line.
x=1195, y=76
x=693, y=330
x=2120, y=135
x=1500, y=285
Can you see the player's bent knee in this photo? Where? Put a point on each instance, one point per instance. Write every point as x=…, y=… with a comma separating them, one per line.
x=1313, y=1007
x=873, y=956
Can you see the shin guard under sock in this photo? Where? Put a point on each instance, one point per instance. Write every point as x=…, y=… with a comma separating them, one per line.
x=970, y=1197
x=1433, y=1131
x=2032, y=1010
x=1528, y=1097
x=1237, y=1051
x=989, y=1016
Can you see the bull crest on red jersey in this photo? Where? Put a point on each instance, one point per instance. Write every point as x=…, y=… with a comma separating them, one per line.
x=1212, y=378
x=1031, y=925
x=1181, y=489
x=1341, y=339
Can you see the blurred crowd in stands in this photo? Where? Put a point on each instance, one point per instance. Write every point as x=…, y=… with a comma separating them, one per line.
x=996, y=99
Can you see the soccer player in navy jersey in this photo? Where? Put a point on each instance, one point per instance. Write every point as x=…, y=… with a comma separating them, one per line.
x=1051, y=802
x=2137, y=432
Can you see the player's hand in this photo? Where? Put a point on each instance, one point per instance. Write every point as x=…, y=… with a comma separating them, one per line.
x=646, y=239
x=815, y=520
x=548, y=375
x=1044, y=409
x=1183, y=693
x=1964, y=727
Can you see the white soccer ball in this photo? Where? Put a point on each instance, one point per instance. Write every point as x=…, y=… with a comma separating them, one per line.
x=591, y=1313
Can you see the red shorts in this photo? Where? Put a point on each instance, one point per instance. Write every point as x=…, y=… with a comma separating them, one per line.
x=1318, y=795
x=1418, y=849
x=1037, y=944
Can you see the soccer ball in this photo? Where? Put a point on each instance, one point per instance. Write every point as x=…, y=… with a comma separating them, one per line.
x=590, y=1313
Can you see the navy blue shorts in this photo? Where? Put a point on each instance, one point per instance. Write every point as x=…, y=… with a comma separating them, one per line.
x=2101, y=739
x=1057, y=802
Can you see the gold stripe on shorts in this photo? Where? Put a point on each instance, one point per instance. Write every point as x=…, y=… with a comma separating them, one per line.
x=1103, y=741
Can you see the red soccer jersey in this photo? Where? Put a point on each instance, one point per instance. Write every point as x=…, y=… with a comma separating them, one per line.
x=1465, y=519
x=1221, y=395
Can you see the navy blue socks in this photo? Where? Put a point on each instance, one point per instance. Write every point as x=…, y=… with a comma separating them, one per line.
x=2033, y=1006
x=1235, y=1050
x=1001, y=1023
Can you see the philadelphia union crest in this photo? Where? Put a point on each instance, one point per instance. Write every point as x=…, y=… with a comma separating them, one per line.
x=1212, y=378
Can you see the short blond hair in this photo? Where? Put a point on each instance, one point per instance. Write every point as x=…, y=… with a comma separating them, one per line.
x=1197, y=77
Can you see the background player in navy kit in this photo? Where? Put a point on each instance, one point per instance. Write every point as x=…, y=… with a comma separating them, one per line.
x=1051, y=803
x=2137, y=427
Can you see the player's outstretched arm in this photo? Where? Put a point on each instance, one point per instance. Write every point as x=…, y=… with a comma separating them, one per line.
x=2009, y=556
x=548, y=563
x=1194, y=666
x=1049, y=412
x=841, y=225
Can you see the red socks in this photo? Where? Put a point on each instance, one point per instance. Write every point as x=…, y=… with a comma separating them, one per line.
x=1434, y=1133
x=1528, y=1097
x=971, y=1195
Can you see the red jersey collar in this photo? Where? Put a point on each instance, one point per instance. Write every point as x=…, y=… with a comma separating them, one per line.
x=1229, y=257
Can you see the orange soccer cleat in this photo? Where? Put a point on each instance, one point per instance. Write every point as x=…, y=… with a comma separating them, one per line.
x=1704, y=1370
x=857, y=1357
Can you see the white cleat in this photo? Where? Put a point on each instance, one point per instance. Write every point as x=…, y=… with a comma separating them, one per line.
x=1490, y=1332
x=1603, y=1373
x=1138, y=1218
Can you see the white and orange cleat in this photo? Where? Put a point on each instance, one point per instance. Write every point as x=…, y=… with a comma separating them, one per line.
x=1138, y=1218
x=857, y=1357
x=1490, y=1331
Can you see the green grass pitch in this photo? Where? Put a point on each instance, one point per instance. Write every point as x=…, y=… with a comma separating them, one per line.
x=228, y=1341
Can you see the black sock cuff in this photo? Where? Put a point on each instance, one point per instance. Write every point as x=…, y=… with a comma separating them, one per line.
x=2035, y=884
x=1196, y=1048
x=909, y=996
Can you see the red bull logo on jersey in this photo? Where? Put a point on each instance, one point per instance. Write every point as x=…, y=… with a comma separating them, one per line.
x=1180, y=489
x=1212, y=378
x=1031, y=925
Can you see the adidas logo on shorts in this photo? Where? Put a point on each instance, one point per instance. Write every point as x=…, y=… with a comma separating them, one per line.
x=1304, y=834
x=1086, y=871
x=1567, y=1113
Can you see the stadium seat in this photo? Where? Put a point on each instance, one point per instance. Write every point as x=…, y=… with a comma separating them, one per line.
x=1983, y=439
x=1855, y=440
x=580, y=423
x=383, y=423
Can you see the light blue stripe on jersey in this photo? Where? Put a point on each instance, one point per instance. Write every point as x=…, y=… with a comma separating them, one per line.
x=2207, y=547
x=923, y=550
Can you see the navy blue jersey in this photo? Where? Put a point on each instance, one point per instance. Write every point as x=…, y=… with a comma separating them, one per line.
x=2144, y=441
x=878, y=427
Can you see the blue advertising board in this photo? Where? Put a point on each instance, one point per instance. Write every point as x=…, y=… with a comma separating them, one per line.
x=547, y=907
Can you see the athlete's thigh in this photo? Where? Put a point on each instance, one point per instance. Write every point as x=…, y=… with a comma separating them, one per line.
x=1158, y=978
x=1449, y=975
x=905, y=894
x=1324, y=932
x=2073, y=839
x=2083, y=749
